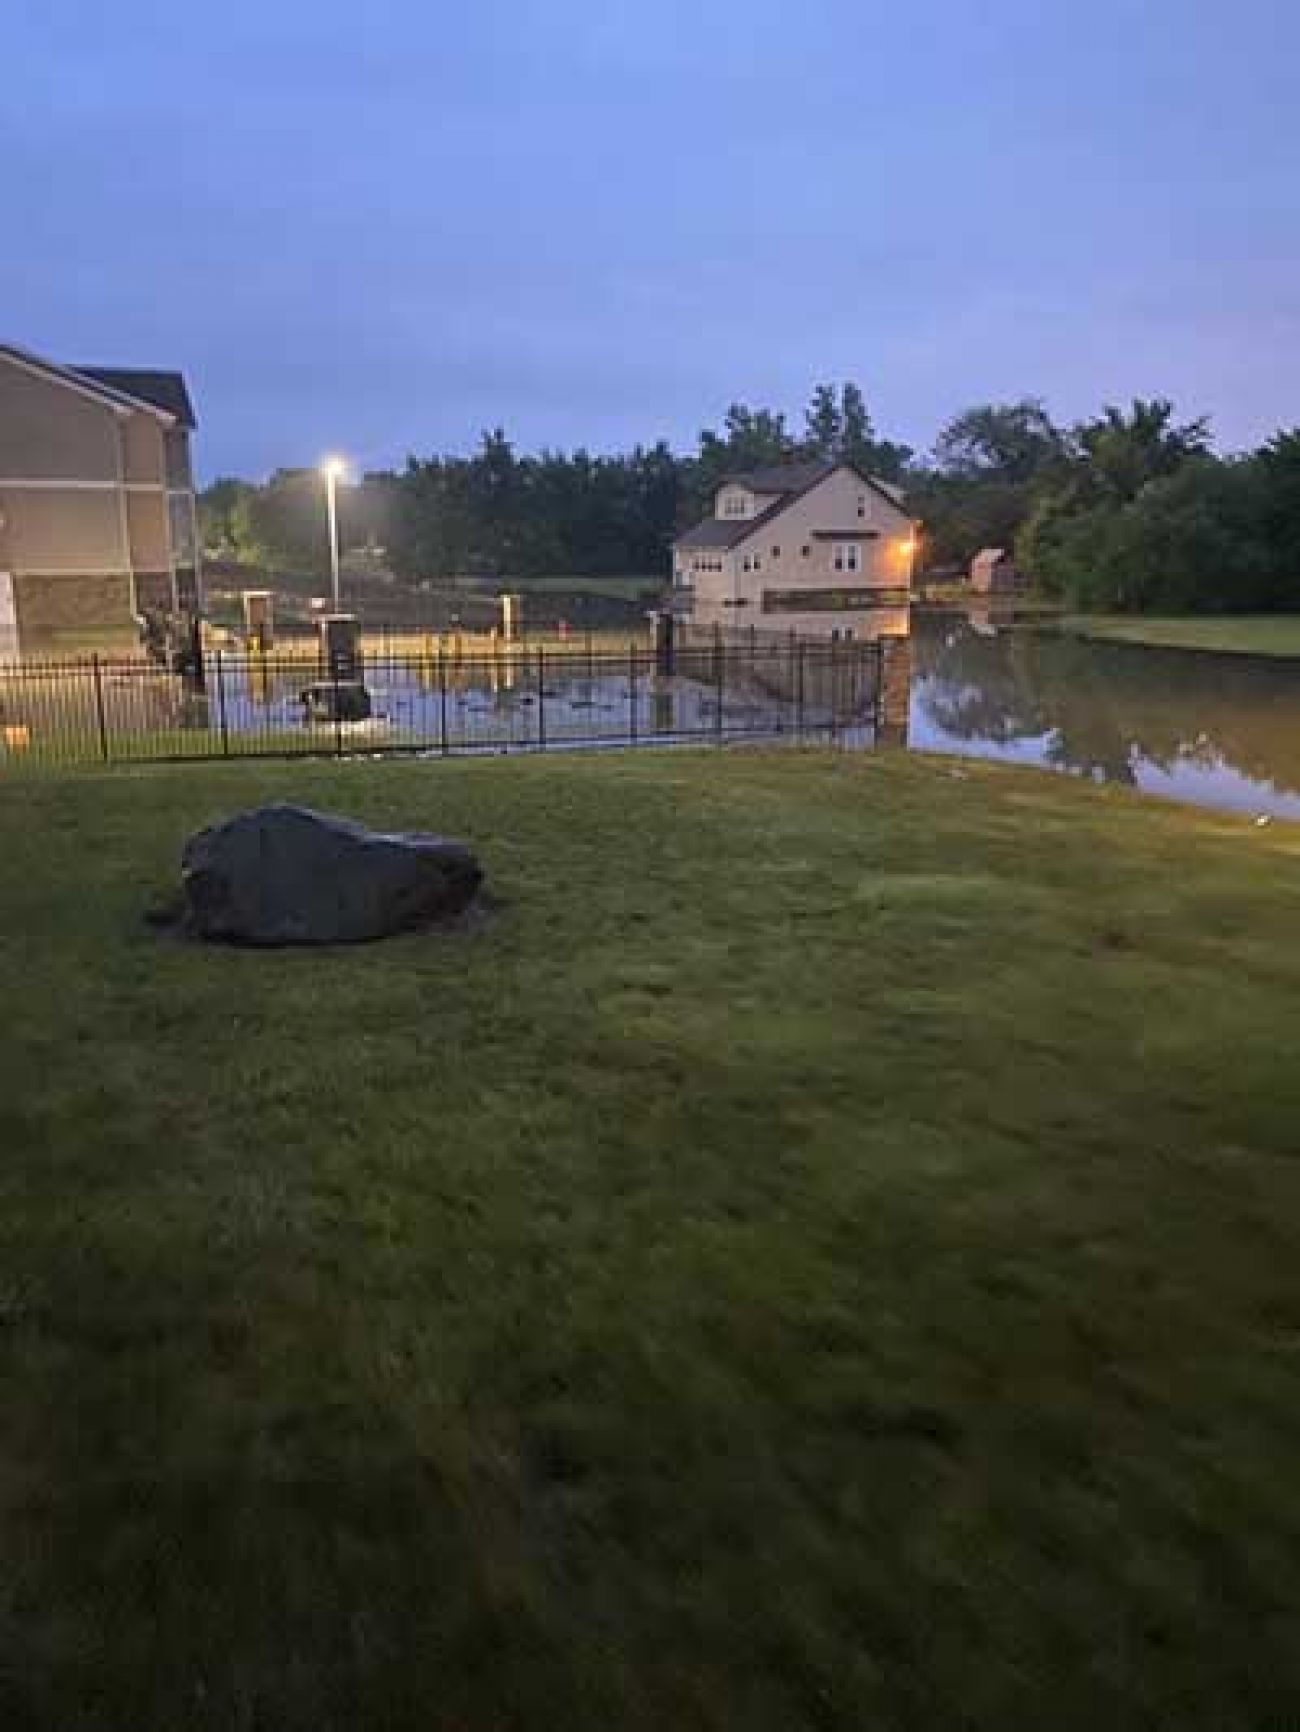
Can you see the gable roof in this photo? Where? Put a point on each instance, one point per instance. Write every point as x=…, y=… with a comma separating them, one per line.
x=102, y=384
x=788, y=481
x=159, y=388
x=779, y=477
x=720, y=531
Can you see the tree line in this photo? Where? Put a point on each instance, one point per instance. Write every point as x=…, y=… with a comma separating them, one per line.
x=1129, y=510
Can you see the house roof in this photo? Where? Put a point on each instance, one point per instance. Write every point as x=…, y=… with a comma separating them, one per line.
x=160, y=388
x=788, y=481
x=716, y=532
x=780, y=477
x=109, y=385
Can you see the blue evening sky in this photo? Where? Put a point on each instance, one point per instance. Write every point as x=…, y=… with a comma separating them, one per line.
x=383, y=226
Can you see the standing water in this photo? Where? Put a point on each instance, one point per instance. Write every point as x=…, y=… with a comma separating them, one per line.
x=1217, y=730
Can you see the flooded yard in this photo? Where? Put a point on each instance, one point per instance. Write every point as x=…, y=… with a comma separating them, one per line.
x=515, y=699
x=1217, y=730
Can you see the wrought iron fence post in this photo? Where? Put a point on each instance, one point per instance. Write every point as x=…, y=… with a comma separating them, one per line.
x=721, y=671
x=221, y=705
x=541, y=698
x=442, y=699
x=100, y=717
x=880, y=689
x=835, y=687
x=798, y=688
x=631, y=693
x=338, y=719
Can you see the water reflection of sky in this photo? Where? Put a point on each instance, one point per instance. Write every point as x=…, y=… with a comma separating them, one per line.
x=1214, y=730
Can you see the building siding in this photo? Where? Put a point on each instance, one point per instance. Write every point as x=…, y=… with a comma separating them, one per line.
x=142, y=451
x=146, y=516
x=58, y=530
x=45, y=605
x=843, y=502
x=176, y=452
x=48, y=431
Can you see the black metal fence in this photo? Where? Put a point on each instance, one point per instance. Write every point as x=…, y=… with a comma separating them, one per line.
x=440, y=696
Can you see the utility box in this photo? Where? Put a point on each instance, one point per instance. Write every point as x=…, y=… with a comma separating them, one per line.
x=259, y=618
x=340, y=648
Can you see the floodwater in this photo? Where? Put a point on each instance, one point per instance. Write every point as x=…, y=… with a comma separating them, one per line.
x=523, y=698
x=1216, y=730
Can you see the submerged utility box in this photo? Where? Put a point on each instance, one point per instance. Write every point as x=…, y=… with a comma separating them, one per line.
x=339, y=694
x=340, y=647
x=336, y=701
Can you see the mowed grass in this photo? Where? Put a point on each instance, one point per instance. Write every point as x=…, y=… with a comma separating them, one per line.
x=1264, y=634
x=823, y=1254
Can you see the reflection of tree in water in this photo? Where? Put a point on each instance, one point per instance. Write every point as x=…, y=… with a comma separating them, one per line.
x=1101, y=707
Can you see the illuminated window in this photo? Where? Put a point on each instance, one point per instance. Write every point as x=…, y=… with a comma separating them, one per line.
x=847, y=556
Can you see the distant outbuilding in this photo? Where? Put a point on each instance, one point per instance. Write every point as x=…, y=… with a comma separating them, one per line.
x=994, y=572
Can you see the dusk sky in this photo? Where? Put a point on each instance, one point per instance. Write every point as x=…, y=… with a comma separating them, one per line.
x=382, y=227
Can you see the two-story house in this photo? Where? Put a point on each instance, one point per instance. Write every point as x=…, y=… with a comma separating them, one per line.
x=97, y=511
x=806, y=547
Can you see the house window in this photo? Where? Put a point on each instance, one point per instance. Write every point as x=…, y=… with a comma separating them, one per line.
x=776, y=553
x=805, y=550
x=758, y=564
x=862, y=505
x=735, y=505
x=847, y=556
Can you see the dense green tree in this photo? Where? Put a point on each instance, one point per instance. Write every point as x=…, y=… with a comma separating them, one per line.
x=858, y=442
x=1122, y=451
x=823, y=424
x=224, y=518
x=840, y=427
x=1151, y=521
x=1011, y=443
x=979, y=486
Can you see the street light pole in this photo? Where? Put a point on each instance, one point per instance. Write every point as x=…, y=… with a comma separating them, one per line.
x=333, y=467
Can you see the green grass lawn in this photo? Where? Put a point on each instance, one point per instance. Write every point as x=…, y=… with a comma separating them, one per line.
x=823, y=1255
x=1265, y=634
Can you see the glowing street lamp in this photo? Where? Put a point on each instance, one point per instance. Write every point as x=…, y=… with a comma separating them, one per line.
x=332, y=468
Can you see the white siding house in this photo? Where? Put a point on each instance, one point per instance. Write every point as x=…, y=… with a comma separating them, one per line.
x=812, y=548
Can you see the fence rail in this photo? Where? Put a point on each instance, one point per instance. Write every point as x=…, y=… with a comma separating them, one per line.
x=441, y=699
